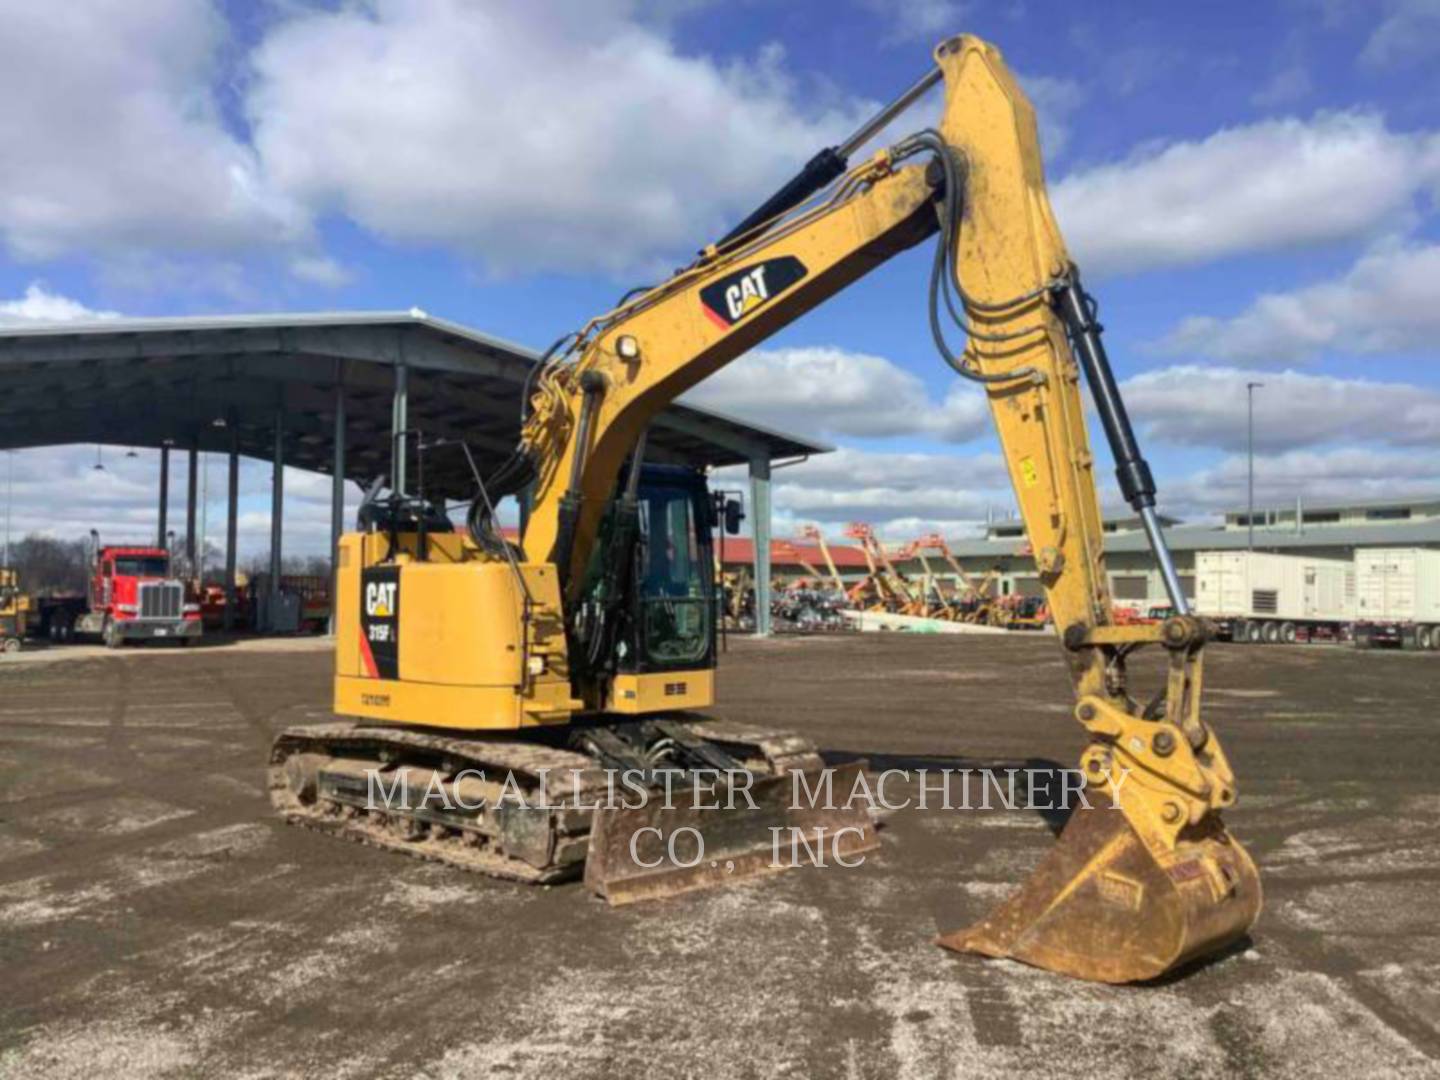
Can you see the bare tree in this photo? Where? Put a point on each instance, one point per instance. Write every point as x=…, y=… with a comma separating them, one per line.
x=48, y=566
x=258, y=565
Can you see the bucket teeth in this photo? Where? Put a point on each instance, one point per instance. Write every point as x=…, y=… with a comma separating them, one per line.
x=1102, y=906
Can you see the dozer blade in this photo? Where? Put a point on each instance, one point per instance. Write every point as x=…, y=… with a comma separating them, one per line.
x=1102, y=906
x=658, y=851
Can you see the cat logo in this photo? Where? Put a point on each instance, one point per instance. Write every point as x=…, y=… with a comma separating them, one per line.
x=727, y=301
x=747, y=293
x=380, y=622
x=380, y=598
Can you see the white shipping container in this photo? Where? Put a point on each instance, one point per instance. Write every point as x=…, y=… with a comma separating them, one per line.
x=1263, y=585
x=1397, y=585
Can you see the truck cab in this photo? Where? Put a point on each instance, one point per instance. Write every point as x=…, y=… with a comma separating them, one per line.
x=134, y=597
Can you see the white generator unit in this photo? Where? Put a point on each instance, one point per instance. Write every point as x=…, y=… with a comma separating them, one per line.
x=1397, y=597
x=1258, y=596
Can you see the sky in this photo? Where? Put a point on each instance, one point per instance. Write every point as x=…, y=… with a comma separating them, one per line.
x=1252, y=191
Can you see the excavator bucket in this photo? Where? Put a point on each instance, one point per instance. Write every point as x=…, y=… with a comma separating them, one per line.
x=659, y=850
x=1103, y=906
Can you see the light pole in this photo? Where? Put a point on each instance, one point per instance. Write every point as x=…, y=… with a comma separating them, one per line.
x=9, y=499
x=1250, y=388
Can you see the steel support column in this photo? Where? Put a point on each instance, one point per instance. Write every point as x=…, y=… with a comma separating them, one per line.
x=337, y=490
x=277, y=507
x=232, y=523
x=164, y=496
x=191, y=501
x=760, y=531
x=399, y=422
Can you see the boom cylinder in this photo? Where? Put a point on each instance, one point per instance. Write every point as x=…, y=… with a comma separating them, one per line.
x=829, y=163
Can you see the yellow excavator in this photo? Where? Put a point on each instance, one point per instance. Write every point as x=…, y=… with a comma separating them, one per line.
x=512, y=683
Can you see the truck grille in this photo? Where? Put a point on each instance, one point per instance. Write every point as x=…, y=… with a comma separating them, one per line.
x=161, y=600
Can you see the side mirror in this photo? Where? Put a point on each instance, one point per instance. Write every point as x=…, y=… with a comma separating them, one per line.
x=733, y=516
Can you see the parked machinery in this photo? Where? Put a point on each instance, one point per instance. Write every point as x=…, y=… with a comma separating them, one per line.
x=14, y=611
x=1017, y=612
x=974, y=601
x=936, y=602
x=816, y=537
x=893, y=592
x=737, y=599
x=873, y=592
x=804, y=603
x=308, y=599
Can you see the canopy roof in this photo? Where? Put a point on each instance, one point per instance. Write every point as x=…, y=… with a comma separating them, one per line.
x=191, y=381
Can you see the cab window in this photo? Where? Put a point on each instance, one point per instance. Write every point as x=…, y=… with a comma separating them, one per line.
x=674, y=591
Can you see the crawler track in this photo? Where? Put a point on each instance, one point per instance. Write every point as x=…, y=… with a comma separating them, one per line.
x=321, y=778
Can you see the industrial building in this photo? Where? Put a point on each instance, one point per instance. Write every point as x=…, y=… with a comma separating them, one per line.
x=1330, y=530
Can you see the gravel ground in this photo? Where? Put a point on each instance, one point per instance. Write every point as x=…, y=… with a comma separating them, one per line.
x=155, y=922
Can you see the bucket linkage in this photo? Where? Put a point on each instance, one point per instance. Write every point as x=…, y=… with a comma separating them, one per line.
x=1145, y=876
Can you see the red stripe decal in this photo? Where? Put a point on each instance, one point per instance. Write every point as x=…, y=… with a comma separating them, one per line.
x=367, y=657
x=713, y=317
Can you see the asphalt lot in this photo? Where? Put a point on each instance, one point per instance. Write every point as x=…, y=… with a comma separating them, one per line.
x=155, y=922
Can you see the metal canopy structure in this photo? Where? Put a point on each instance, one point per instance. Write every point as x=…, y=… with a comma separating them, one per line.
x=185, y=381
x=326, y=392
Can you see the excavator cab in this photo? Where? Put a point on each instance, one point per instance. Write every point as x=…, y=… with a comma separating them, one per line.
x=647, y=605
x=674, y=601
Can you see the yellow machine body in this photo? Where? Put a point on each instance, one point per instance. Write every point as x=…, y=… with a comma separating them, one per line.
x=14, y=610
x=641, y=693
x=444, y=643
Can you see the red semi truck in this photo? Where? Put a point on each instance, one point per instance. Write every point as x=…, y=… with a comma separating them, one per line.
x=132, y=596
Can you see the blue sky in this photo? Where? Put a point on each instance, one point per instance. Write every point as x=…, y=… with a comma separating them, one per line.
x=1251, y=189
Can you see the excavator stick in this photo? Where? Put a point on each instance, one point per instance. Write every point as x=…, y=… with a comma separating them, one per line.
x=1144, y=877
x=686, y=843
x=1103, y=906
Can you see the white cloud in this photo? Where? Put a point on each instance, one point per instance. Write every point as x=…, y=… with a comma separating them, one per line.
x=39, y=305
x=115, y=142
x=825, y=390
x=57, y=491
x=1407, y=35
x=893, y=491
x=1206, y=406
x=1267, y=186
x=444, y=123
x=1345, y=474
x=923, y=20
x=1389, y=301
x=320, y=270
x=1288, y=85
x=526, y=136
